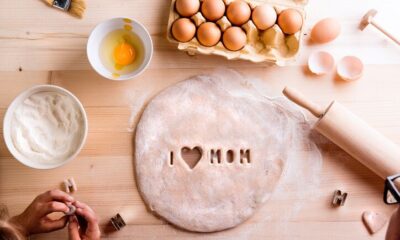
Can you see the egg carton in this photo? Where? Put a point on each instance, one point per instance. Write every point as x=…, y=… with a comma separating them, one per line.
x=276, y=48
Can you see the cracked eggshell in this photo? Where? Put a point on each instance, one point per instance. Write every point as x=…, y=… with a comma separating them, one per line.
x=321, y=62
x=350, y=68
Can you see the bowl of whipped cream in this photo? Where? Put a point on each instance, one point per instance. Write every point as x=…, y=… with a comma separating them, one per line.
x=45, y=127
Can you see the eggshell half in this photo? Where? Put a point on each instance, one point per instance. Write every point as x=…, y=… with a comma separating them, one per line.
x=321, y=62
x=325, y=31
x=350, y=68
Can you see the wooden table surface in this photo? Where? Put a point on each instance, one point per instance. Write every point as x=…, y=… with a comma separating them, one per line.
x=39, y=45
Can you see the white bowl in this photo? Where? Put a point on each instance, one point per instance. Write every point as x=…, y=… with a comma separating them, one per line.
x=9, y=115
x=101, y=30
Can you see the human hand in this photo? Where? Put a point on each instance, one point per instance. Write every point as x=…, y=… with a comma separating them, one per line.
x=89, y=230
x=393, y=231
x=35, y=218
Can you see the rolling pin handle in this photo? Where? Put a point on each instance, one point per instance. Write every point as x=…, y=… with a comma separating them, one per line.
x=302, y=101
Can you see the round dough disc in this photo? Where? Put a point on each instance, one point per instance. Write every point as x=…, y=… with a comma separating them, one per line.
x=214, y=194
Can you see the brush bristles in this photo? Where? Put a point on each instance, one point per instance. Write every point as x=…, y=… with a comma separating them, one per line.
x=49, y=2
x=77, y=7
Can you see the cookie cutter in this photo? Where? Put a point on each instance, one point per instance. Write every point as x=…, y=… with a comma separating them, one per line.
x=118, y=222
x=391, y=194
x=71, y=210
x=70, y=185
x=339, y=198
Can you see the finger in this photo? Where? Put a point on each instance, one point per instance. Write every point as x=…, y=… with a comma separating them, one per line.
x=87, y=214
x=82, y=205
x=79, y=204
x=73, y=229
x=54, y=206
x=56, y=195
x=91, y=220
x=53, y=225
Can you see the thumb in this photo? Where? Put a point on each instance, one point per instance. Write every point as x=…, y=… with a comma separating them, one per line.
x=73, y=229
x=53, y=225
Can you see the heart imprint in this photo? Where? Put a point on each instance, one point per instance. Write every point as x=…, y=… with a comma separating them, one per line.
x=374, y=221
x=191, y=156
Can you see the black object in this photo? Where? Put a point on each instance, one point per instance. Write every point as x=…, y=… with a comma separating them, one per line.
x=391, y=194
x=339, y=198
x=62, y=4
x=118, y=222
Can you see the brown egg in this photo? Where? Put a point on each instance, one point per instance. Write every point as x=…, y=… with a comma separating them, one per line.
x=238, y=12
x=208, y=34
x=213, y=10
x=325, y=30
x=290, y=21
x=187, y=8
x=183, y=30
x=234, y=38
x=264, y=16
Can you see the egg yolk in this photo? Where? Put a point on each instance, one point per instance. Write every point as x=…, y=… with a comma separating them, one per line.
x=124, y=54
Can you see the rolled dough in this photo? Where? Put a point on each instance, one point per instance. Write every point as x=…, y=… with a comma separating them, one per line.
x=211, y=115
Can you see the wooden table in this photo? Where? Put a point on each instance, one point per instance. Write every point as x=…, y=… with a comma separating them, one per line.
x=39, y=45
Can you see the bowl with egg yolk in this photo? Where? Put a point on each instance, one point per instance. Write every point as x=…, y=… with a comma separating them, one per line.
x=119, y=48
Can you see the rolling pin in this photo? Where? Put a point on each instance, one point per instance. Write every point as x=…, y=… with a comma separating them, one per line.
x=353, y=135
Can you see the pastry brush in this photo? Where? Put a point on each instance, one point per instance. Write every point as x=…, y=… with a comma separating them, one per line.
x=74, y=7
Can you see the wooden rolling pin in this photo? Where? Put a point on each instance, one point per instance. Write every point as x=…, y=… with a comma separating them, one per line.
x=353, y=135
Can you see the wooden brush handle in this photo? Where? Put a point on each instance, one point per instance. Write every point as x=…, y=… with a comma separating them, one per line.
x=302, y=101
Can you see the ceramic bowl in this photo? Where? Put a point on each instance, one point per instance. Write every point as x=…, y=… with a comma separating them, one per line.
x=8, y=122
x=101, y=30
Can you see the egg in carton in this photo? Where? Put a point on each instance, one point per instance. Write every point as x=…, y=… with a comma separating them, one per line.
x=254, y=30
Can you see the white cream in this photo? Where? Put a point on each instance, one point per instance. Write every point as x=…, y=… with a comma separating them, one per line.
x=47, y=127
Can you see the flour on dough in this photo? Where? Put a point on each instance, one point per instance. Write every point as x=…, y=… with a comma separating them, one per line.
x=211, y=113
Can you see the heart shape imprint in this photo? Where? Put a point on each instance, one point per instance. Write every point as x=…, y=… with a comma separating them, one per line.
x=191, y=156
x=374, y=221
